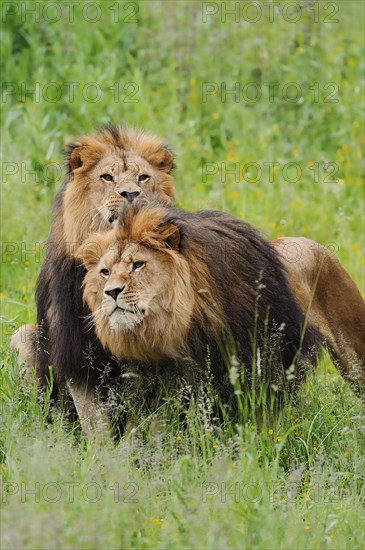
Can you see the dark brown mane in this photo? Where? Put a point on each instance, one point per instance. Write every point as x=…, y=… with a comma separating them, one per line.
x=243, y=305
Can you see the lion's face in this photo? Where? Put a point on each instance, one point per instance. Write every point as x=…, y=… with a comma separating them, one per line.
x=124, y=177
x=140, y=294
x=110, y=170
x=135, y=287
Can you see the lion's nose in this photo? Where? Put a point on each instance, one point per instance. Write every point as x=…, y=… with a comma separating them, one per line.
x=114, y=292
x=130, y=196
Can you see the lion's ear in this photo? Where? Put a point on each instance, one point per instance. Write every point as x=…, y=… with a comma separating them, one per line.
x=74, y=158
x=87, y=151
x=90, y=253
x=162, y=159
x=170, y=235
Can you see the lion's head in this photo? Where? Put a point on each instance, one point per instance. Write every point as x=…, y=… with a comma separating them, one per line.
x=138, y=286
x=115, y=166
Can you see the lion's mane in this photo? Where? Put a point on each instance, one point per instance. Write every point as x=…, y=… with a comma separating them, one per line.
x=227, y=296
x=65, y=339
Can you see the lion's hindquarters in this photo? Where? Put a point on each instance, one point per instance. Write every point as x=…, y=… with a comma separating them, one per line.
x=329, y=297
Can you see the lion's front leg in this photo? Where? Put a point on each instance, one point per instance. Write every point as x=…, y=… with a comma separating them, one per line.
x=24, y=339
x=94, y=419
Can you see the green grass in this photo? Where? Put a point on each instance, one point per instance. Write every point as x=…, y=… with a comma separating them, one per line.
x=296, y=484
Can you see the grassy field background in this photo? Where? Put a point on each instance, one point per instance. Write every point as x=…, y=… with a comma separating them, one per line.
x=165, y=67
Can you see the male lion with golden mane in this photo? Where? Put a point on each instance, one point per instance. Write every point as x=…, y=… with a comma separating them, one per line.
x=117, y=165
x=169, y=286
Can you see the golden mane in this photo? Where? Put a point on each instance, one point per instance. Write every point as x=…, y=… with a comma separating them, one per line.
x=81, y=199
x=188, y=296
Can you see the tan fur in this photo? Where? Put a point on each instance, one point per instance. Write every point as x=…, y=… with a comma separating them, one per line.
x=162, y=287
x=93, y=417
x=327, y=294
x=89, y=201
x=24, y=340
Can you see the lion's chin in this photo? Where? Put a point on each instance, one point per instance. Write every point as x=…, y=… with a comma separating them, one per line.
x=122, y=320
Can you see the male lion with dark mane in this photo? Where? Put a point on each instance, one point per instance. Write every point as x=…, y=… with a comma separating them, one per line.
x=171, y=286
x=117, y=165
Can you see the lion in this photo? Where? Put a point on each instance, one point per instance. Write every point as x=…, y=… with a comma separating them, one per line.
x=168, y=286
x=116, y=165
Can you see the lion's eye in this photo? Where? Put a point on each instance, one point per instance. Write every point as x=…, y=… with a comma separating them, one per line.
x=107, y=177
x=143, y=178
x=104, y=272
x=137, y=265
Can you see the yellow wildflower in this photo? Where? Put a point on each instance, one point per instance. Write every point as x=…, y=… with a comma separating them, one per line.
x=231, y=155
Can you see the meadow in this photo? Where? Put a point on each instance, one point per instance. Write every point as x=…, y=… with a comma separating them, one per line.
x=263, y=111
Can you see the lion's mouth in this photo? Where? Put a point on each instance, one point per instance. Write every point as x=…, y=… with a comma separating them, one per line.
x=124, y=319
x=112, y=218
x=135, y=311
